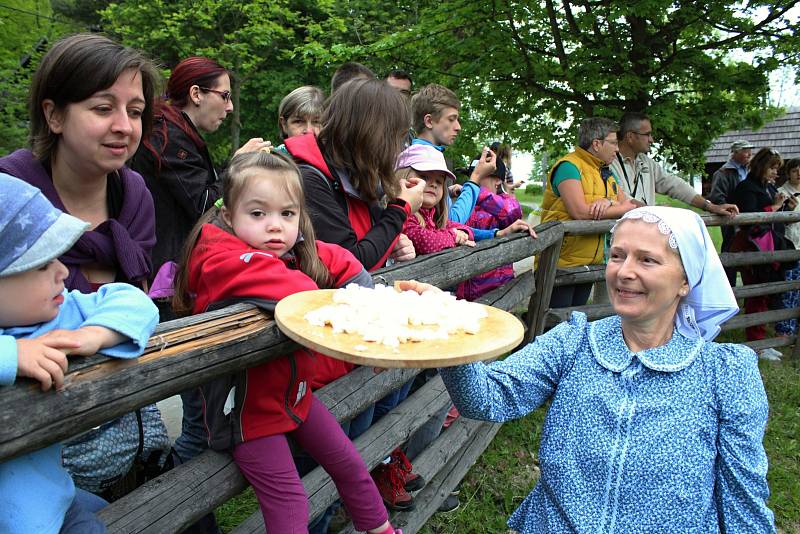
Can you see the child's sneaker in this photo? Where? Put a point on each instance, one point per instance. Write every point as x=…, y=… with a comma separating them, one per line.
x=450, y=504
x=390, y=481
x=411, y=481
x=390, y=530
x=452, y=415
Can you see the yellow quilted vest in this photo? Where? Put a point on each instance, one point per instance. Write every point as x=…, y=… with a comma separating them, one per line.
x=580, y=249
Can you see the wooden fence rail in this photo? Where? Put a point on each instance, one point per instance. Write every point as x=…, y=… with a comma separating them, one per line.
x=188, y=352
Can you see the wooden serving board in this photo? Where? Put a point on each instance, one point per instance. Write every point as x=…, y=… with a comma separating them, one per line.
x=499, y=332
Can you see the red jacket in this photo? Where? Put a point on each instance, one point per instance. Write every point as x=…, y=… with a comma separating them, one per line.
x=270, y=398
x=338, y=213
x=426, y=237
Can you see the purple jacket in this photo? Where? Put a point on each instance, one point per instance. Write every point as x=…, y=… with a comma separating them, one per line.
x=123, y=243
x=492, y=211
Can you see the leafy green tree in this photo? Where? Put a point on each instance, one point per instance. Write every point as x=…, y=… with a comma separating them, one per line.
x=28, y=27
x=529, y=70
x=272, y=46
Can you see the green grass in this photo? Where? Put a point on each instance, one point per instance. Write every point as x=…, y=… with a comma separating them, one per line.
x=236, y=510
x=523, y=197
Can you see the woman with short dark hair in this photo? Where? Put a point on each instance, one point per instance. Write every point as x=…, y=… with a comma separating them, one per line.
x=90, y=103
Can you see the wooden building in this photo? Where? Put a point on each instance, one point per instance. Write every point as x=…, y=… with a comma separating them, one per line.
x=782, y=134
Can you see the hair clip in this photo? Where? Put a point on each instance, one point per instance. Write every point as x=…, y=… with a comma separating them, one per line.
x=219, y=203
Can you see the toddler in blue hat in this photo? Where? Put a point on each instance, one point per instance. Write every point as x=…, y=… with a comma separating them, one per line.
x=40, y=325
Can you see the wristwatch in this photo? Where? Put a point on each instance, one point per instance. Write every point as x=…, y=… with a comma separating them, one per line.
x=707, y=204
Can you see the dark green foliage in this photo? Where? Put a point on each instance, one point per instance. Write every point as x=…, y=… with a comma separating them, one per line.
x=534, y=189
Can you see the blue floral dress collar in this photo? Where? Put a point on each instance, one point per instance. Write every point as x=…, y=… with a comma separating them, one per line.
x=610, y=350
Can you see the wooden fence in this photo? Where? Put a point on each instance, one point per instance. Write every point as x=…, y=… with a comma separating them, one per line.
x=188, y=352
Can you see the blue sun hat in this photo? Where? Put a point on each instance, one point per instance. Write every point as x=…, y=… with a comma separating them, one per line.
x=32, y=231
x=710, y=301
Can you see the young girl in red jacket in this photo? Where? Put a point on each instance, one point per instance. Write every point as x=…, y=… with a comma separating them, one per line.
x=259, y=247
x=429, y=229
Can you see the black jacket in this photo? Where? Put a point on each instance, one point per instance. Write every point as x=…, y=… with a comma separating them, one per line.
x=183, y=187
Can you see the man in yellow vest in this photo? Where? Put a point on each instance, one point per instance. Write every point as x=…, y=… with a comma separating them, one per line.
x=580, y=186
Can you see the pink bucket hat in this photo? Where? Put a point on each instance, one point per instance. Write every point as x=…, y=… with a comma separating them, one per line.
x=424, y=158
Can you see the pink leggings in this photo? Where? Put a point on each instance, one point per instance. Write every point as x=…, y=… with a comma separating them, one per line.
x=268, y=465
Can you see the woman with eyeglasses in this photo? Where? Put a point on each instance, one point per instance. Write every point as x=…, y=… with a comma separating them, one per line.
x=175, y=162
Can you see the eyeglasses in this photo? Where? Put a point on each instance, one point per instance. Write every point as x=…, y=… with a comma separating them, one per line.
x=226, y=95
x=643, y=134
x=614, y=142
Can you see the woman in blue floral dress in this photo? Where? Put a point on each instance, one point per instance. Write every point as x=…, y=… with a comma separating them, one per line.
x=652, y=427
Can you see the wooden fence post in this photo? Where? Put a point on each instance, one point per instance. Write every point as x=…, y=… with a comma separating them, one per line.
x=545, y=274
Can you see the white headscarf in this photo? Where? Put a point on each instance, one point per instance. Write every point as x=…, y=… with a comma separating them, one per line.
x=710, y=301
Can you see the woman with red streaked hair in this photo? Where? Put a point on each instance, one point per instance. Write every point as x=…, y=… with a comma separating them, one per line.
x=175, y=162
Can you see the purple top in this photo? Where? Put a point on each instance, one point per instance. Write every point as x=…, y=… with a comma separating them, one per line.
x=123, y=243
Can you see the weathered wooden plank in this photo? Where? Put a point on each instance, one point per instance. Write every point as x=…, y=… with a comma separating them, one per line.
x=446, y=477
x=744, y=219
x=580, y=275
x=596, y=273
x=186, y=329
x=446, y=268
x=446, y=480
x=511, y=295
x=741, y=259
x=772, y=342
x=177, y=498
x=598, y=311
x=592, y=311
x=544, y=276
x=769, y=288
x=597, y=227
x=351, y=394
x=795, y=354
x=753, y=319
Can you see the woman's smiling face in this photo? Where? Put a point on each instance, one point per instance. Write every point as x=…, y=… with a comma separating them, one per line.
x=645, y=277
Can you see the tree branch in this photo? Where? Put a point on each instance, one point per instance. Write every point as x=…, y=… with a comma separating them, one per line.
x=556, y=32
x=571, y=18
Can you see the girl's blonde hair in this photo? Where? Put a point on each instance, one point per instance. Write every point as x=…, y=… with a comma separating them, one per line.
x=441, y=207
x=242, y=169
